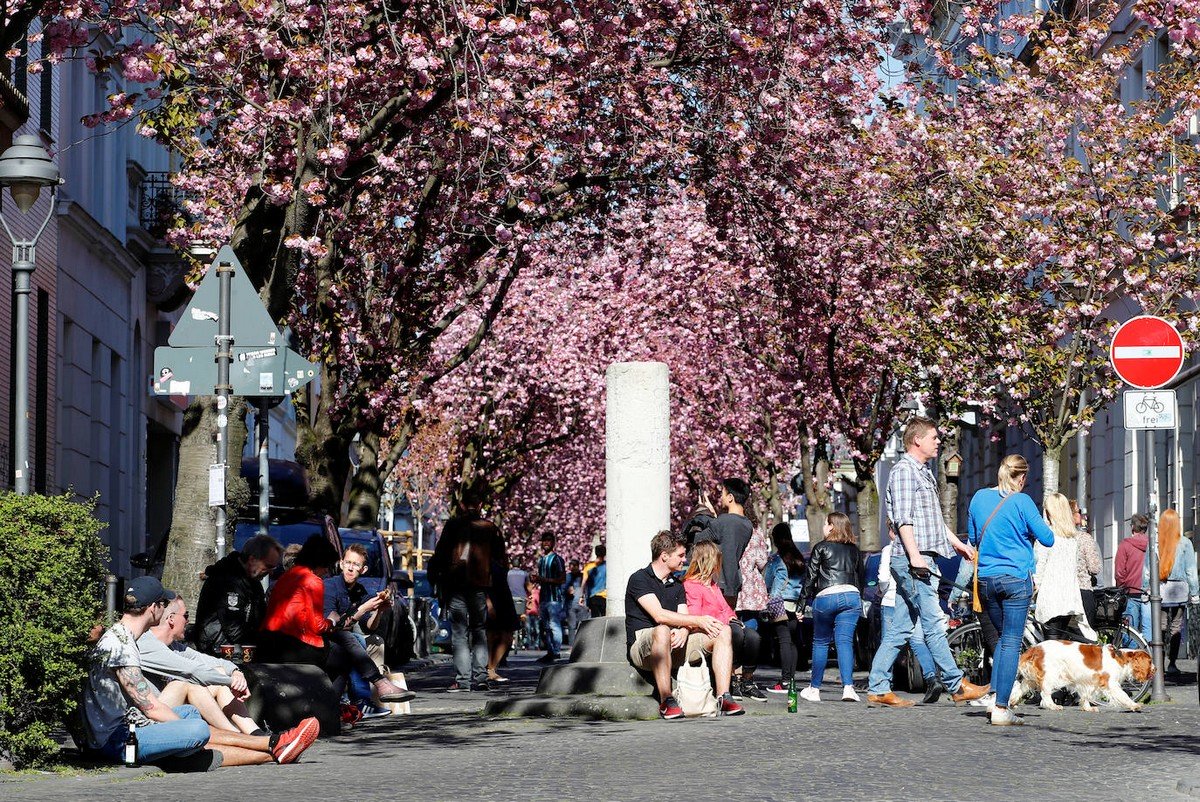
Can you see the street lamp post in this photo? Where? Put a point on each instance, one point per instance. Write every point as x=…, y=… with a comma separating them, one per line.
x=24, y=168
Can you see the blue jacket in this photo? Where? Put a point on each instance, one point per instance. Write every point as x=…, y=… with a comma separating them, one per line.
x=779, y=583
x=1008, y=545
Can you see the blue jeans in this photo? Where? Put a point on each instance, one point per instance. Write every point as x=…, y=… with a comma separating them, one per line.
x=835, y=616
x=360, y=689
x=468, y=636
x=1138, y=613
x=916, y=641
x=551, y=616
x=916, y=600
x=1006, y=600
x=162, y=739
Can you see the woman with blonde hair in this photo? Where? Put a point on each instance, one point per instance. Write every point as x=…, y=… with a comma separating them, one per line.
x=704, y=597
x=1177, y=573
x=1002, y=524
x=834, y=588
x=1059, y=602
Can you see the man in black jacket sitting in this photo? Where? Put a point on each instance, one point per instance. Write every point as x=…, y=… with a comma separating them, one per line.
x=232, y=601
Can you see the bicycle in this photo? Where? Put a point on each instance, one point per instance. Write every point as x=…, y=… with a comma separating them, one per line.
x=1149, y=403
x=967, y=646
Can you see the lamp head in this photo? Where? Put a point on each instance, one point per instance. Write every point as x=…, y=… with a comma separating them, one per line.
x=25, y=168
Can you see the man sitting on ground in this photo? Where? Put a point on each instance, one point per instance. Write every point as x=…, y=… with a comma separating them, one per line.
x=165, y=655
x=660, y=632
x=118, y=696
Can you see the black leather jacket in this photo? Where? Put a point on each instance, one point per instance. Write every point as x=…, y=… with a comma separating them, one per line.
x=832, y=564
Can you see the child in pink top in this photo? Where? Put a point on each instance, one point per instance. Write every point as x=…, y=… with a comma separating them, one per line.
x=704, y=598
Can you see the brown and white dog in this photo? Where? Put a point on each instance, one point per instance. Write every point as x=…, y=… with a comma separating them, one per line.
x=1083, y=668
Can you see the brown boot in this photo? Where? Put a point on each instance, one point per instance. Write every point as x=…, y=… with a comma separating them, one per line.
x=888, y=699
x=968, y=691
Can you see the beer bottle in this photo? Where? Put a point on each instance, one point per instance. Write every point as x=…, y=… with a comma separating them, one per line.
x=792, y=695
x=131, y=747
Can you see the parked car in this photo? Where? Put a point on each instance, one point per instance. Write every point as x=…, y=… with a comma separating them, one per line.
x=398, y=630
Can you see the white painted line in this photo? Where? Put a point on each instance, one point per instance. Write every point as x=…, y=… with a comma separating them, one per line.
x=1147, y=352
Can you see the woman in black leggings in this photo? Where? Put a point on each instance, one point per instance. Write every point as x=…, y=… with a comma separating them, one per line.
x=785, y=577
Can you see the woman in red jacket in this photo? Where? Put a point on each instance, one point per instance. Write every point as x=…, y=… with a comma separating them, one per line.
x=294, y=629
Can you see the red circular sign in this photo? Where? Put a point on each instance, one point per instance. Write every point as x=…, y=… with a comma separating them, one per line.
x=1146, y=352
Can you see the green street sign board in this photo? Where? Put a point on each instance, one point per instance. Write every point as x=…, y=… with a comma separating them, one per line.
x=248, y=318
x=256, y=371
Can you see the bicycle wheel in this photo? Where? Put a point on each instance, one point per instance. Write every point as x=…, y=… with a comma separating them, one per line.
x=966, y=645
x=1123, y=637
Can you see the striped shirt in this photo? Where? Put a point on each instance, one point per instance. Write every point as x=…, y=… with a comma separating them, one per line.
x=912, y=500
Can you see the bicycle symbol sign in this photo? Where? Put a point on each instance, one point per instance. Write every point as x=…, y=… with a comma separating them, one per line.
x=1149, y=409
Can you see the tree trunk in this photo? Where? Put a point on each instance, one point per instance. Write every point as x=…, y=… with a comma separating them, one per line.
x=366, y=486
x=868, y=514
x=1050, y=458
x=815, y=469
x=323, y=448
x=948, y=486
x=192, y=543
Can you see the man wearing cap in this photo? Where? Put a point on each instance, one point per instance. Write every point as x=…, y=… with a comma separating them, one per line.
x=118, y=696
x=165, y=657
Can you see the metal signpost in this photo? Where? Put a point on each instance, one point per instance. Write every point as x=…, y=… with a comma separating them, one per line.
x=1147, y=352
x=251, y=360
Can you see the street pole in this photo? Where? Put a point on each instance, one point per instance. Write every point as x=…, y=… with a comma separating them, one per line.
x=22, y=268
x=264, y=468
x=223, y=388
x=1158, y=692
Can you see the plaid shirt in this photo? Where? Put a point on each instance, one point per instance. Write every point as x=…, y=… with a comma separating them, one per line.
x=912, y=499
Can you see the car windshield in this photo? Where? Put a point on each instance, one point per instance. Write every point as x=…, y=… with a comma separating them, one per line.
x=371, y=544
x=286, y=534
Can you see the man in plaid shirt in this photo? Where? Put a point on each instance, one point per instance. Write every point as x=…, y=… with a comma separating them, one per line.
x=915, y=517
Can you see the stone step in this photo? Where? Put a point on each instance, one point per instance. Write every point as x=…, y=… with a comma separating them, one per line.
x=607, y=708
x=596, y=679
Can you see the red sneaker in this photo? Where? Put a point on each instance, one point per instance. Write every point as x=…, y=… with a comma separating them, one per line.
x=728, y=707
x=670, y=708
x=293, y=742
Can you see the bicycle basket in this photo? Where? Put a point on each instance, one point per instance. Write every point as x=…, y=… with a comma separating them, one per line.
x=1110, y=606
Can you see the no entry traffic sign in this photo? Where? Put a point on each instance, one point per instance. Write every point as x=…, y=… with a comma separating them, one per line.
x=1146, y=352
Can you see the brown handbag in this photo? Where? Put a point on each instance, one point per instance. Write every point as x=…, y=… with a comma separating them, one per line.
x=976, y=603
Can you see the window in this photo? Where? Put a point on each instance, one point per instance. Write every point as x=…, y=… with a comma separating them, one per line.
x=42, y=401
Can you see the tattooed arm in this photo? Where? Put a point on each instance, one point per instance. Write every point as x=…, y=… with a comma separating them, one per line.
x=143, y=695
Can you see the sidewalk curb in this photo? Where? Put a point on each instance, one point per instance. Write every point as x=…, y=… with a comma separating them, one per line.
x=1189, y=786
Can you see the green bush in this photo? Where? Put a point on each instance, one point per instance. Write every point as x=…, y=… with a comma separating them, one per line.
x=51, y=594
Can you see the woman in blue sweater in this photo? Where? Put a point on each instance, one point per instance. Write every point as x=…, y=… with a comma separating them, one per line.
x=1002, y=524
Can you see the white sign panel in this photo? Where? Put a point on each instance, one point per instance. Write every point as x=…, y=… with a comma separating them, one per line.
x=1150, y=409
x=216, y=485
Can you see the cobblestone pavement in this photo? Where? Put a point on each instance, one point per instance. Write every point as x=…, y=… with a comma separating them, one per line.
x=828, y=751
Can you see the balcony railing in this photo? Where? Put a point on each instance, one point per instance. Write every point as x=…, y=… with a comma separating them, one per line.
x=159, y=204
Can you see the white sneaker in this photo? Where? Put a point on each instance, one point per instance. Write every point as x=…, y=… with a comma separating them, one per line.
x=988, y=701
x=811, y=694
x=1003, y=717
x=849, y=694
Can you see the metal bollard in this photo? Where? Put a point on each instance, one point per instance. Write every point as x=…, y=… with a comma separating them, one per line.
x=111, y=584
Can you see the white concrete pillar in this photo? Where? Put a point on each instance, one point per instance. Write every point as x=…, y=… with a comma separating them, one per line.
x=637, y=469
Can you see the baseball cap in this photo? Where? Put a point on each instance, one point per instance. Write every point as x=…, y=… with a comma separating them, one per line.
x=146, y=590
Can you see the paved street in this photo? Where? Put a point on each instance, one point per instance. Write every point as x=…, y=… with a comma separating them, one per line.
x=831, y=751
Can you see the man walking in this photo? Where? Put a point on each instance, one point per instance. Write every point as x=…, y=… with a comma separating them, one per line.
x=461, y=568
x=660, y=633
x=595, y=584
x=915, y=517
x=731, y=531
x=551, y=577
